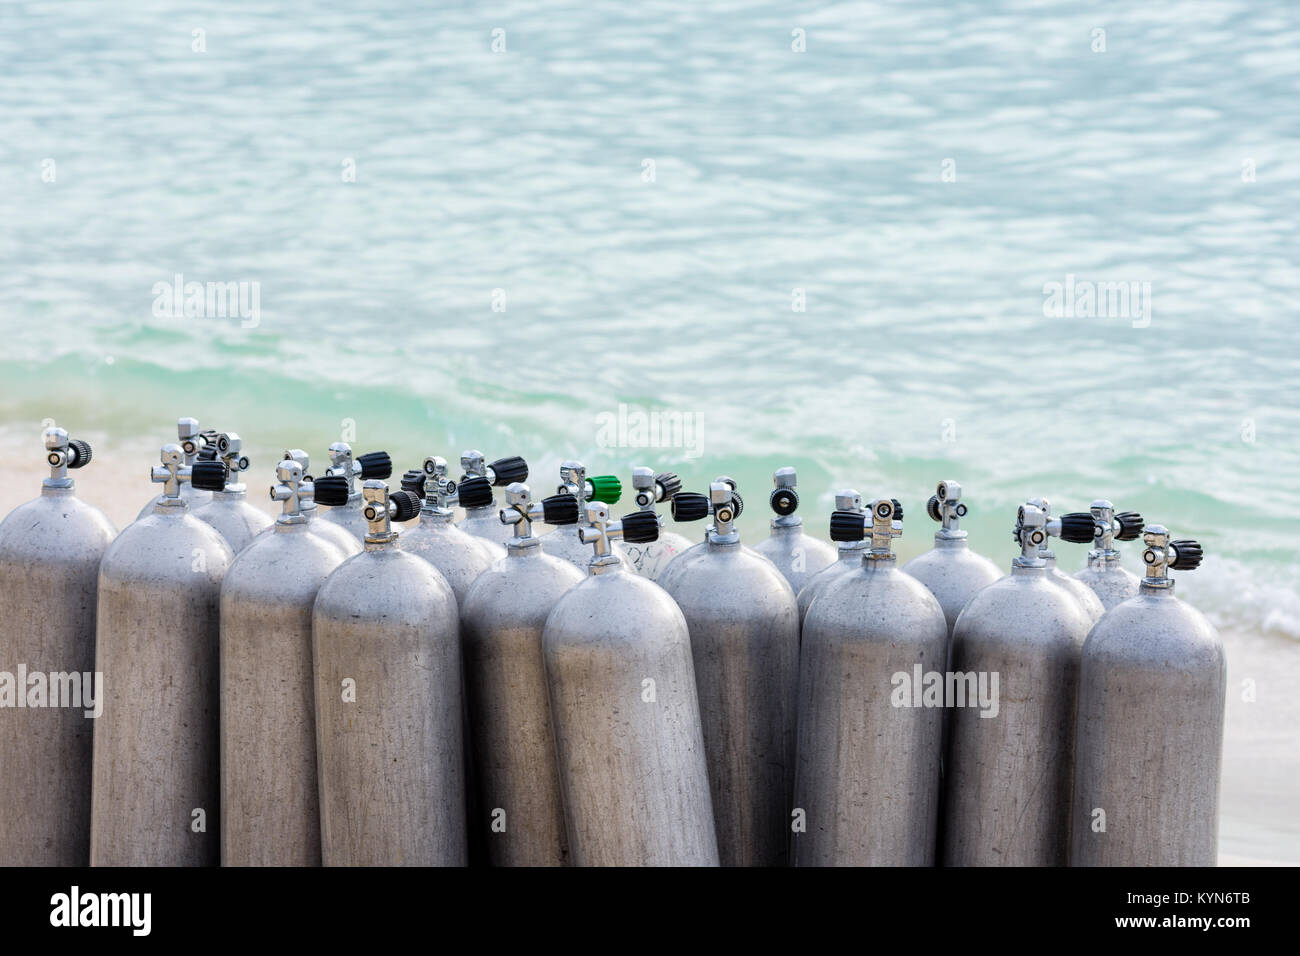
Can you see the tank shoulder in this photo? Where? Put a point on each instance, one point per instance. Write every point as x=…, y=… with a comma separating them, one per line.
x=47, y=527
x=156, y=543
x=1015, y=610
x=1160, y=632
x=389, y=577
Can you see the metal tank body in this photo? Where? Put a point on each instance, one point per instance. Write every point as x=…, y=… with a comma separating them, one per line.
x=193, y=442
x=744, y=638
x=155, y=792
x=509, y=714
x=386, y=663
x=1007, y=776
x=867, y=772
x=797, y=556
x=269, y=791
x=458, y=556
x=1105, y=575
x=626, y=714
x=1149, y=736
x=848, y=555
x=50, y=550
x=651, y=558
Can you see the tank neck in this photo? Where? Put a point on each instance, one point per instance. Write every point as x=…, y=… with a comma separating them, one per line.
x=1028, y=570
x=787, y=525
x=529, y=547
x=381, y=542
x=479, y=510
x=1157, y=587
x=609, y=564
x=878, y=560
x=58, y=490
x=723, y=542
x=170, y=506
x=1104, y=560
x=231, y=493
x=951, y=541
x=290, y=527
x=436, y=516
x=853, y=550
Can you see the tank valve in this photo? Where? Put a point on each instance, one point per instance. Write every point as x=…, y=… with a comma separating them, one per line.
x=945, y=507
x=372, y=465
x=172, y=473
x=227, y=448
x=381, y=508
x=651, y=488
x=475, y=492
x=1108, y=527
x=440, y=492
x=1077, y=528
x=521, y=511
x=785, y=498
x=639, y=527
x=413, y=481
x=63, y=453
x=1163, y=555
x=884, y=519
x=1030, y=533
x=209, y=475
x=560, y=509
x=503, y=471
x=192, y=441
x=293, y=490
x=574, y=481
x=689, y=506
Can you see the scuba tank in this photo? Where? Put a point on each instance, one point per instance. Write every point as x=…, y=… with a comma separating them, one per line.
x=331, y=495
x=566, y=541
x=1104, y=573
x=867, y=776
x=50, y=549
x=459, y=557
x=228, y=511
x=627, y=719
x=1086, y=597
x=268, y=724
x=848, y=553
x=156, y=796
x=951, y=570
x=476, y=497
x=340, y=479
x=744, y=636
x=796, y=555
x=651, y=558
x=1149, y=733
x=386, y=659
x=505, y=683
x=194, y=444
x=1007, y=776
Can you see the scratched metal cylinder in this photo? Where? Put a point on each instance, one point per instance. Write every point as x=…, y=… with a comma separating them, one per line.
x=269, y=790
x=744, y=634
x=521, y=815
x=156, y=790
x=458, y=556
x=628, y=736
x=387, y=670
x=952, y=572
x=1149, y=737
x=1007, y=777
x=50, y=550
x=234, y=518
x=798, y=556
x=1109, y=580
x=867, y=772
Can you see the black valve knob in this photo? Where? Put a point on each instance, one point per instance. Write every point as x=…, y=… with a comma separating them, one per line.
x=475, y=491
x=79, y=453
x=406, y=505
x=506, y=471
x=375, y=464
x=847, y=526
x=1077, y=527
x=208, y=452
x=560, y=509
x=1189, y=555
x=898, y=509
x=1130, y=526
x=413, y=481
x=784, y=501
x=670, y=484
x=932, y=508
x=689, y=506
x=331, y=490
x=640, y=527
x=208, y=475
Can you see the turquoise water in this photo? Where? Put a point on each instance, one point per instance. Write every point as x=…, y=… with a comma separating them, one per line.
x=922, y=173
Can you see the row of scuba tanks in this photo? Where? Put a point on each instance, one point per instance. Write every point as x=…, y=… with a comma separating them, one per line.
x=318, y=690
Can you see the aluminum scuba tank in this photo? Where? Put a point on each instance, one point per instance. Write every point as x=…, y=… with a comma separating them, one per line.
x=156, y=796
x=1149, y=732
x=848, y=553
x=565, y=540
x=1104, y=573
x=651, y=558
x=1007, y=776
x=951, y=570
x=195, y=444
x=518, y=782
x=867, y=775
x=269, y=794
x=476, y=497
x=50, y=549
x=228, y=511
x=331, y=531
x=1086, y=597
x=341, y=476
x=458, y=556
x=628, y=738
x=744, y=635
x=797, y=555
x=386, y=660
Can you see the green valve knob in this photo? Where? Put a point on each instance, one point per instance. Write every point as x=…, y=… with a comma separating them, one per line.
x=606, y=488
